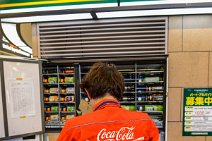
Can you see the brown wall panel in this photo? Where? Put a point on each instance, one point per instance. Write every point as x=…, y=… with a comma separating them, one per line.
x=175, y=133
x=175, y=34
x=35, y=43
x=26, y=32
x=188, y=69
x=210, y=70
x=197, y=32
x=174, y=106
x=208, y=138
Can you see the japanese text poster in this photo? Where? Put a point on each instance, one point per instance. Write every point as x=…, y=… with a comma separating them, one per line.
x=197, y=112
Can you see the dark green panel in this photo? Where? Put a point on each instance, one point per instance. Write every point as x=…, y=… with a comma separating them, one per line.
x=14, y=4
x=73, y=1
x=40, y=3
x=137, y=0
x=16, y=1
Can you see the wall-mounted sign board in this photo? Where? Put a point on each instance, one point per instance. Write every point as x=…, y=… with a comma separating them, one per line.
x=23, y=101
x=2, y=128
x=20, y=99
x=197, y=112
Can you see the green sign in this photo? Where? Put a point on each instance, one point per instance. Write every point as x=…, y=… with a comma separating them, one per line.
x=197, y=112
x=13, y=4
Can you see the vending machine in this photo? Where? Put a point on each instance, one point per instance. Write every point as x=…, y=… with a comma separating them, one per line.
x=59, y=94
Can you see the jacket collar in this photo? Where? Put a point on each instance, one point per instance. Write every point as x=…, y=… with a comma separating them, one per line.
x=106, y=103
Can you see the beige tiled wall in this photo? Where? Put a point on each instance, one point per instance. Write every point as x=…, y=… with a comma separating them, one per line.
x=189, y=65
x=174, y=99
x=175, y=34
x=188, y=69
x=210, y=69
x=197, y=32
x=26, y=33
x=175, y=133
x=208, y=138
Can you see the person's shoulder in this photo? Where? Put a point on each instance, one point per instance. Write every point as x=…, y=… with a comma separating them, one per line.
x=79, y=120
x=71, y=125
x=137, y=114
x=143, y=114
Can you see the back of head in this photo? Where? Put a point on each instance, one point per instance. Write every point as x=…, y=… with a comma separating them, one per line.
x=102, y=79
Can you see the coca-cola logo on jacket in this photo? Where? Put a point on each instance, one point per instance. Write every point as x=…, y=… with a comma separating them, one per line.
x=123, y=134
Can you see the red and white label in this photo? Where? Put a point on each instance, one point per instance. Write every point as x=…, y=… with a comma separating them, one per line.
x=123, y=134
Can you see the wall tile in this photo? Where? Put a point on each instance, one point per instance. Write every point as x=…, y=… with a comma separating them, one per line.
x=210, y=70
x=35, y=43
x=175, y=133
x=26, y=33
x=188, y=69
x=208, y=138
x=175, y=34
x=174, y=104
x=197, y=31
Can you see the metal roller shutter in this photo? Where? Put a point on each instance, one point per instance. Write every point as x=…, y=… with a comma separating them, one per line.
x=108, y=38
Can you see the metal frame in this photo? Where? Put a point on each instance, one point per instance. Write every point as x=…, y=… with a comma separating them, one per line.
x=166, y=35
x=38, y=40
x=88, y=21
x=167, y=88
x=41, y=97
x=77, y=89
x=108, y=9
x=4, y=98
x=165, y=104
x=1, y=36
x=111, y=59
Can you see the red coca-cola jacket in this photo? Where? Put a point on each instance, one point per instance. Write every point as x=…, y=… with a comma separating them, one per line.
x=110, y=122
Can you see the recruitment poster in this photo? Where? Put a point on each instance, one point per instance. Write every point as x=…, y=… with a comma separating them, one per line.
x=197, y=112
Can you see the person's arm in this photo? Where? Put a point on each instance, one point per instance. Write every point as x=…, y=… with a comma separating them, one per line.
x=154, y=133
x=68, y=133
x=64, y=134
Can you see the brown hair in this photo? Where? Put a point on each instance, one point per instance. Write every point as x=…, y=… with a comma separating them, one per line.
x=103, y=78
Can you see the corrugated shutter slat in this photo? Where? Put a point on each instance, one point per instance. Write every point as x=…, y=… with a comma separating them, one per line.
x=103, y=38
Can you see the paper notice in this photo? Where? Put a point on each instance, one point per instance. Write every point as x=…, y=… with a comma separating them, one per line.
x=21, y=96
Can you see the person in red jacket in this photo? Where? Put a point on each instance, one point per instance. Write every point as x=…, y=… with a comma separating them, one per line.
x=108, y=121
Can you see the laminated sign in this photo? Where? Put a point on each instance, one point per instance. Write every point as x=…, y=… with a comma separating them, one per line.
x=197, y=112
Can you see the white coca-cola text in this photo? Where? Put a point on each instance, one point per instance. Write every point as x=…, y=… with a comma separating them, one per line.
x=124, y=133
